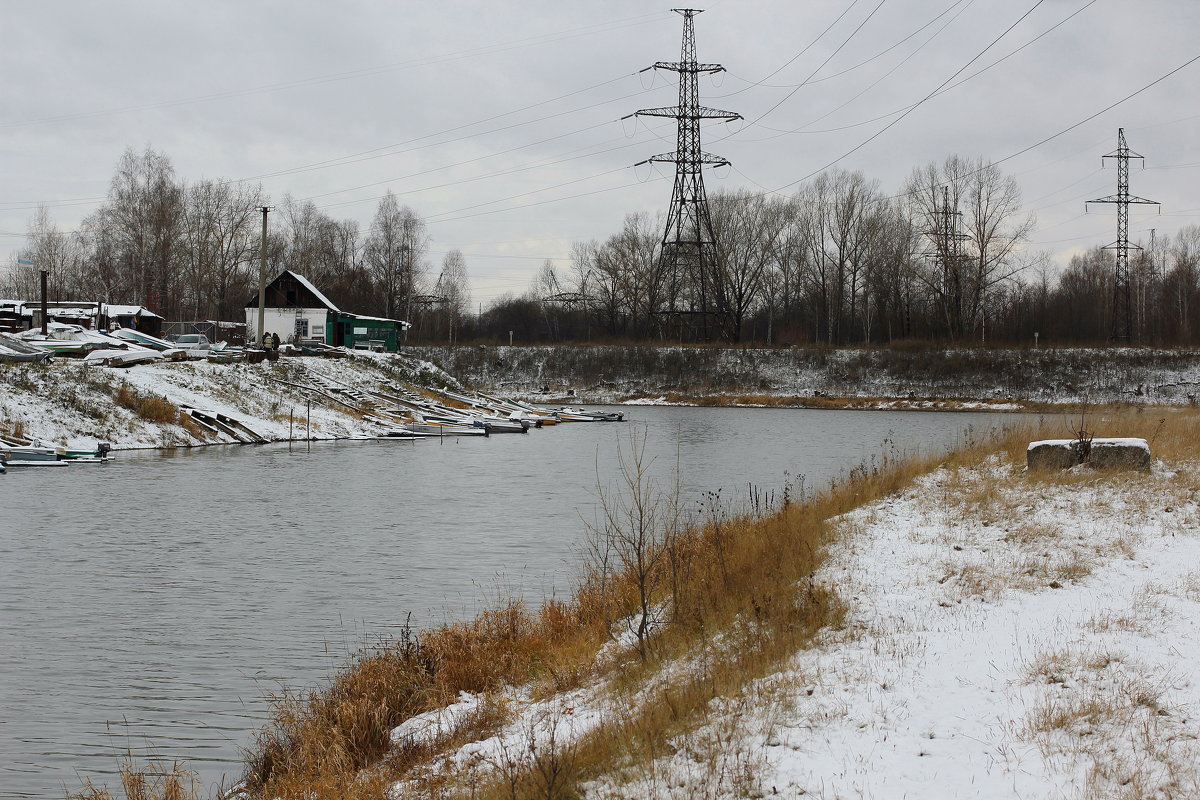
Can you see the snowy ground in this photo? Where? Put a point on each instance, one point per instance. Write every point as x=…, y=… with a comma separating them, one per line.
x=74, y=404
x=1039, y=643
x=1008, y=636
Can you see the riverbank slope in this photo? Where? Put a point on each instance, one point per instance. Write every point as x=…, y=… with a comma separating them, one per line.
x=140, y=407
x=76, y=405
x=916, y=377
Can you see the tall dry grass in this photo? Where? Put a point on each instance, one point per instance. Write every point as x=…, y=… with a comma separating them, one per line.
x=156, y=782
x=147, y=406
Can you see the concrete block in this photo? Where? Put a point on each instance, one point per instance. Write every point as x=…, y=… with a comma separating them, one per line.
x=1051, y=454
x=1120, y=454
x=1128, y=453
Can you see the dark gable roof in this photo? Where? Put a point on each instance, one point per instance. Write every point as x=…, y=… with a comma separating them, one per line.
x=292, y=290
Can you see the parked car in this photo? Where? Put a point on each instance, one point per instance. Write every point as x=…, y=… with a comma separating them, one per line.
x=193, y=341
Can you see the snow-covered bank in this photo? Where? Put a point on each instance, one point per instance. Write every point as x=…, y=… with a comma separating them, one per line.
x=75, y=404
x=1007, y=638
x=1008, y=635
x=605, y=373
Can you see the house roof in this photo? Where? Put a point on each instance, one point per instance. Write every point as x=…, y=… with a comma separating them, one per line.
x=402, y=323
x=114, y=310
x=78, y=310
x=308, y=285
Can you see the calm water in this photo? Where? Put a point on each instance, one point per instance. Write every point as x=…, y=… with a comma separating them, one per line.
x=148, y=605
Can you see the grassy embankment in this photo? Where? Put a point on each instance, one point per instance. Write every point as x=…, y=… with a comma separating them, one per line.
x=910, y=374
x=732, y=598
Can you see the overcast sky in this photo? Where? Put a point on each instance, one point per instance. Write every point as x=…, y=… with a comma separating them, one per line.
x=500, y=121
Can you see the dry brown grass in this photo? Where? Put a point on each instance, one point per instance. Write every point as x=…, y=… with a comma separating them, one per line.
x=147, y=406
x=188, y=424
x=1145, y=613
x=741, y=601
x=325, y=739
x=977, y=511
x=156, y=782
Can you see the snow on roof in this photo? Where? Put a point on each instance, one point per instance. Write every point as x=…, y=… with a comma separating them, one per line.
x=71, y=313
x=80, y=311
x=308, y=285
x=114, y=310
x=402, y=323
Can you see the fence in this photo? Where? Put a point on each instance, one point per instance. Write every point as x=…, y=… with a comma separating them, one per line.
x=232, y=332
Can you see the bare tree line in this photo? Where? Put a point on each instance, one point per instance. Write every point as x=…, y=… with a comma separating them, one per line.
x=841, y=262
x=838, y=262
x=190, y=251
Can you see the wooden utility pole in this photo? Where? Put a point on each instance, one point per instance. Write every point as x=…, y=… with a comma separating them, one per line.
x=262, y=276
x=45, y=304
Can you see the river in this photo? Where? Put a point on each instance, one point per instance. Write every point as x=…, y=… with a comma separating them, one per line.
x=148, y=606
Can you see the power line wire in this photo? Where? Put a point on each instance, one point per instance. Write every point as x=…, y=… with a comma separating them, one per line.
x=871, y=86
x=837, y=50
x=350, y=74
x=891, y=124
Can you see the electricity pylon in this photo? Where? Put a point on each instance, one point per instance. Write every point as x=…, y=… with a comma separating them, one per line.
x=1122, y=304
x=946, y=238
x=689, y=246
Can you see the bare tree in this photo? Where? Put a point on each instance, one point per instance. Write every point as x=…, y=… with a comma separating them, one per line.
x=749, y=229
x=394, y=254
x=221, y=246
x=639, y=527
x=965, y=271
x=144, y=217
x=62, y=255
x=453, y=286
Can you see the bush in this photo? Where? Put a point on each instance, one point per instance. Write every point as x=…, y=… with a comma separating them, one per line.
x=148, y=407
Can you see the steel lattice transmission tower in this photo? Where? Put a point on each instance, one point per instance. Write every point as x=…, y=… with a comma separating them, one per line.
x=1122, y=304
x=689, y=247
x=946, y=237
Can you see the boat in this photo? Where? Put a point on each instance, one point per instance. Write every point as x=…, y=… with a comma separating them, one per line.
x=125, y=357
x=520, y=410
x=419, y=428
x=566, y=414
x=67, y=340
x=168, y=349
x=14, y=350
x=493, y=410
x=99, y=455
x=221, y=353
x=36, y=454
x=63, y=348
x=499, y=425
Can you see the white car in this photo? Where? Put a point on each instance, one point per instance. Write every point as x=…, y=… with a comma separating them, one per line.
x=193, y=341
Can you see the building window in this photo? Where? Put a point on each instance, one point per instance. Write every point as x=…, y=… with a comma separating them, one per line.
x=302, y=327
